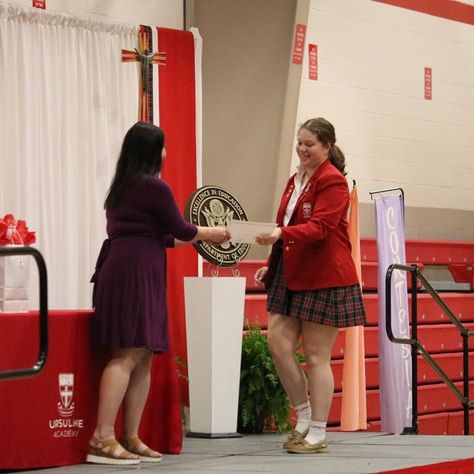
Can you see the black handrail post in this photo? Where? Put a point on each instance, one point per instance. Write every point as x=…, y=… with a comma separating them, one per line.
x=412, y=341
x=414, y=347
x=465, y=333
x=388, y=303
x=465, y=378
x=43, y=309
x=43, y=313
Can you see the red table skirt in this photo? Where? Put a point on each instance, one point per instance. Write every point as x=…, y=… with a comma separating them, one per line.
x=47, y=420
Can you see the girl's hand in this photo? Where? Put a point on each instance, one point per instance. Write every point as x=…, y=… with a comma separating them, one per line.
x=269, y=239
x=260, y=275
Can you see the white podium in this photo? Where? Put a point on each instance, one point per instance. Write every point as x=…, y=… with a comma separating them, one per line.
x=214, y=320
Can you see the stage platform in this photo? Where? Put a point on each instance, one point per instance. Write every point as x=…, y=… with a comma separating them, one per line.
x=361, y=452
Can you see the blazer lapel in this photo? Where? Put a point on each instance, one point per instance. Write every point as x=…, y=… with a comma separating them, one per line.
x=285, y=199
x=309, y=186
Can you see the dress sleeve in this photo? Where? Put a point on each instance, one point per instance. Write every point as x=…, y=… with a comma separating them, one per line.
x=169, y=241
x=168, y=214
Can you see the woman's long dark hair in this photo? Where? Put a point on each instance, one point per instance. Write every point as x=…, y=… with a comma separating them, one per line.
x=140, y=157
x=326, y=134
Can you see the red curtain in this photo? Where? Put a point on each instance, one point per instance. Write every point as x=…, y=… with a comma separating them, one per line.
x=177, y=113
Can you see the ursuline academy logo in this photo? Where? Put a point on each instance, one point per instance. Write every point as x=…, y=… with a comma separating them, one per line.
x=66, y=426
x=212, y=206
x=66, y=390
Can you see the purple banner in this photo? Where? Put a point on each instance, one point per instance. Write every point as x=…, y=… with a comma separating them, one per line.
x=394, y=359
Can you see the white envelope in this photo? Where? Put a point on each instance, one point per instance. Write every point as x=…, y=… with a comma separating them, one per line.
x=244, y=232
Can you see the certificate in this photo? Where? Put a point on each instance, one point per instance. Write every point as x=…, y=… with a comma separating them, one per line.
x=244, y=232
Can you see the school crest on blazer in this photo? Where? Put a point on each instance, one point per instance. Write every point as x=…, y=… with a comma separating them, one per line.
x=307, y=210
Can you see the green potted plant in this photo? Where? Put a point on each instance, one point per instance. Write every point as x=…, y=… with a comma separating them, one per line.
x=263, y=404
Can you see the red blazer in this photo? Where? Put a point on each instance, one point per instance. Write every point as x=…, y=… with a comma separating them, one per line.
x=315, y=243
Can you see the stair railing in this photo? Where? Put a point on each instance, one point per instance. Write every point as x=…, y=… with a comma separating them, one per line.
x=417, y=348
x=43, y=314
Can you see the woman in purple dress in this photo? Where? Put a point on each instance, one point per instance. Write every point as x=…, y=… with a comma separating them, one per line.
x=130, y=290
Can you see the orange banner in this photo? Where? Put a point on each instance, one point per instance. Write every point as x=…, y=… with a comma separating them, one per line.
x=354, y=397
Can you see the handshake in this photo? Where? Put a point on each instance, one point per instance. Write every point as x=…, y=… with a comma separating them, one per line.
x=219, y=235
x=213, y=235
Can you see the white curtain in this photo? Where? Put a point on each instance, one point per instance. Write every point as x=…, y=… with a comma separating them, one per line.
x=66, y=101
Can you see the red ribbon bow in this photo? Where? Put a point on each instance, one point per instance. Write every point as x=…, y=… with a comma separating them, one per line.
x=15, y=232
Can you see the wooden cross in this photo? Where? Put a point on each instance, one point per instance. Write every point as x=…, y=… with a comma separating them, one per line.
x=147, y=58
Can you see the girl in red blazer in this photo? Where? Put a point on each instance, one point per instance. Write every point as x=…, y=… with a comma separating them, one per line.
x=311, y=280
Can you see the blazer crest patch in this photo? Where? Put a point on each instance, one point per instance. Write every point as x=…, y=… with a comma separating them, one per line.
x=306, y=210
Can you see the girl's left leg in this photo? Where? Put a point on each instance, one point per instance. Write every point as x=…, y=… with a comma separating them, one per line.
x=318, y=341
x=317, y=345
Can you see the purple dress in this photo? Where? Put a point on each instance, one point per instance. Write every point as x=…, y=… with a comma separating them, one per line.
x=130, y=278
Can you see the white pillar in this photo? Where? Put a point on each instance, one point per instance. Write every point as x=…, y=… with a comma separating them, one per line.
x=214, y=320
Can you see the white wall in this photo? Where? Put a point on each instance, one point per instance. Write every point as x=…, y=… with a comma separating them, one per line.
x=164, y=13
x=371, y=87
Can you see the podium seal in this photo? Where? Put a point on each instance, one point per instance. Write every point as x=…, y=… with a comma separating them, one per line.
x=212, y=206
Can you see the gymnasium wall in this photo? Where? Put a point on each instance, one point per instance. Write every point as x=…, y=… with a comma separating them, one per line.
x=371, y=85
x=371, y=62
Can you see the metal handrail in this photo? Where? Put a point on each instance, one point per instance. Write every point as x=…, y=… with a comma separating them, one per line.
x=417, y=348
x=43, y=314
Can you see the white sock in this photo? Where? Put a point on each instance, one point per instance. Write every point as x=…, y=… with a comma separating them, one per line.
x=303, y=417
x=317, y=432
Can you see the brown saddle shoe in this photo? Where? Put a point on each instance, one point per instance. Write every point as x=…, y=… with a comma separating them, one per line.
x=294, y=437
x=303, y=447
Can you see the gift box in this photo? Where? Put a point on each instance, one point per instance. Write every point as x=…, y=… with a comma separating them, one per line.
x=14, y=306
x=14, y=269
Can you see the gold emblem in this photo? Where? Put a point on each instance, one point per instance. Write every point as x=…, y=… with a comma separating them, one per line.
x=212, y=206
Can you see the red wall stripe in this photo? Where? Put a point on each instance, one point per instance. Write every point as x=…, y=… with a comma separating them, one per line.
x=448, y=9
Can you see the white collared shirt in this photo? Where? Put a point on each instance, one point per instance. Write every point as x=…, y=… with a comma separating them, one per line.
x=299, y=183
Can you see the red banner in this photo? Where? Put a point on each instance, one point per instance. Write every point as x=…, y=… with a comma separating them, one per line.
x=178, y=119
x=313, y=61
x=298, y=48
x=428, y=83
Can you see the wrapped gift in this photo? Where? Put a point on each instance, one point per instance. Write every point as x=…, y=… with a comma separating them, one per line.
x=14, y=306
x=14, y=269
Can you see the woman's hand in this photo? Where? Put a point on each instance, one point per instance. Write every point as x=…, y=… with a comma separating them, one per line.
x=269, y=239
x=218, y=235
x=212, y=235
x=260, y=275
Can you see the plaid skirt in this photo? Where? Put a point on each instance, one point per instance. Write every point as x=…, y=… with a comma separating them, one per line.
x=337, y=307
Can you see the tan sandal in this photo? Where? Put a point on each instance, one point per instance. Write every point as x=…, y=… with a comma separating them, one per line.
x=138, y=447
x=105, y=452
x=303, y=447
x=293, y=438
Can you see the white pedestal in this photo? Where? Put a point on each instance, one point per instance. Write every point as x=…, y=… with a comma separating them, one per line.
x=214, y=319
